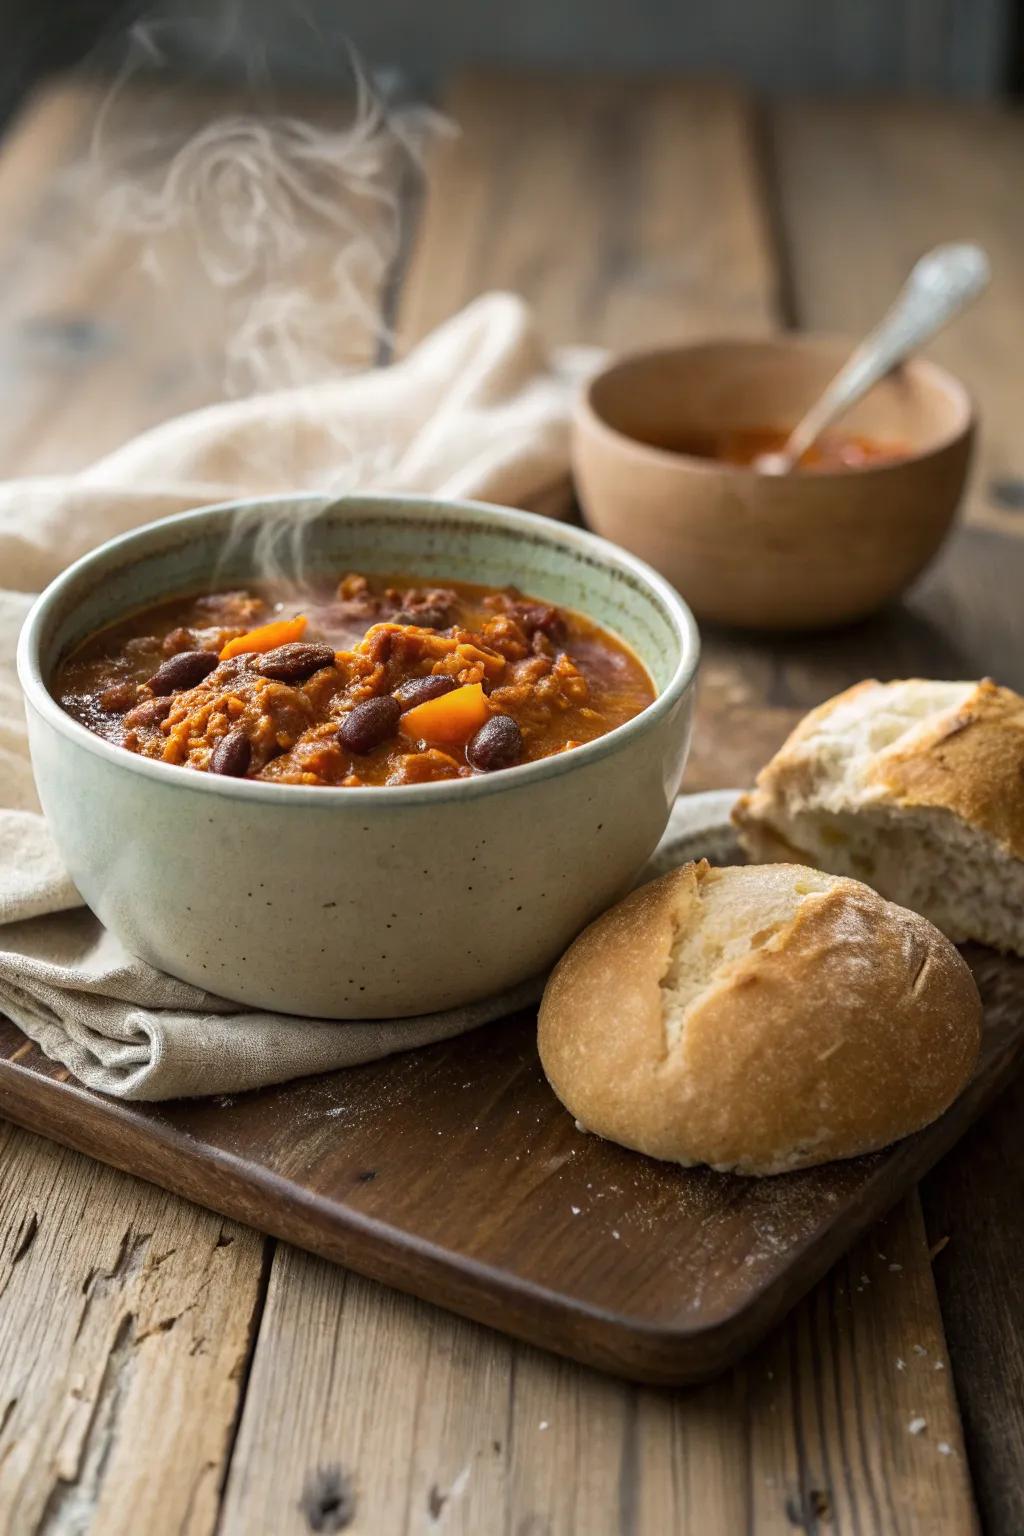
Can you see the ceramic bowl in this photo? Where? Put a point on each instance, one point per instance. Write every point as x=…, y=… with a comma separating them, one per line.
x=373, y=902
x=750, y=549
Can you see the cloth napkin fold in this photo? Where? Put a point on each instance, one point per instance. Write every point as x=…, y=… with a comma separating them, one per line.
x=479, y=409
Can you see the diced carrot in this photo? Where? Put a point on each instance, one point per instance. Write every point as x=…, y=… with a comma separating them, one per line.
x=449, y=720
x=267, y=637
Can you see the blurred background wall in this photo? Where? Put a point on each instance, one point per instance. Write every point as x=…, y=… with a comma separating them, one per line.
x=940, y=46
x=959, y=48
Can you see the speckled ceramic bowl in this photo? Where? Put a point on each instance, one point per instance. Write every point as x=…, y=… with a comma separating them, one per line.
x=359, y=903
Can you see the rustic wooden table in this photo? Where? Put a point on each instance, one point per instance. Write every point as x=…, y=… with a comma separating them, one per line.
x=164, y=1370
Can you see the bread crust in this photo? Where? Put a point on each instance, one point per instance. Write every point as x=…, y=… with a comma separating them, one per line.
x=853, y=1024
x=970, y=763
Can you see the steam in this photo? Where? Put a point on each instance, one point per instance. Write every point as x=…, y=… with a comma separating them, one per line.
x=272, y=239
x=289, y=229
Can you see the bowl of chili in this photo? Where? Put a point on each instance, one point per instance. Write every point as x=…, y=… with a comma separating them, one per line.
x=356, y=758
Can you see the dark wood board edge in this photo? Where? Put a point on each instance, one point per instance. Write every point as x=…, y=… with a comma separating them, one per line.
x=615, y=1343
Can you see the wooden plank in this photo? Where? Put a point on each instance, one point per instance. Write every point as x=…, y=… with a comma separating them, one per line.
x=864, y=188
x=884, y=181
x=972, y=1205
x=424, y=1423
x=122, y=304
x=369, y=1396
x=854, y=1413
x=629, y=215
x=125, y=1325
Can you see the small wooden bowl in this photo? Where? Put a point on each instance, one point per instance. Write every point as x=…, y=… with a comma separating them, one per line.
x=769, y=552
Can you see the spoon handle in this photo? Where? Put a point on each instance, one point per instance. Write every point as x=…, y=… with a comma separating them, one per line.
x=941, y=284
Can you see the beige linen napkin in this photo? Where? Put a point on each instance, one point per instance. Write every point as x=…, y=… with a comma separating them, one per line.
x=478, y=409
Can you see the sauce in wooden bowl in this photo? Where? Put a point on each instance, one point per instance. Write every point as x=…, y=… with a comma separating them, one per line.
x=743, y=446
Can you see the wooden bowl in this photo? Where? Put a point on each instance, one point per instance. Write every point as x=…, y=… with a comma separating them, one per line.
x=794, y=552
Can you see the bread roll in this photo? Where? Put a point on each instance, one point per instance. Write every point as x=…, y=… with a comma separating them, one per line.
x=916, y=787
x=758, y=1019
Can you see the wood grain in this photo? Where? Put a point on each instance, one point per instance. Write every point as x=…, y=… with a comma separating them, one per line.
x=125, y=1325
x=627, y=214
x=116, y=314
x=840, y=1395
x=811, y=1433
x=885, y=181
x=972, y=1205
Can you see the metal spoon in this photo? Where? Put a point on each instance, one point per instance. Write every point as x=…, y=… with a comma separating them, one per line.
x=941, y=284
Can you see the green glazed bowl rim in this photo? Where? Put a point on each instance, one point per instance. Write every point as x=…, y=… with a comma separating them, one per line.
x=567, y=536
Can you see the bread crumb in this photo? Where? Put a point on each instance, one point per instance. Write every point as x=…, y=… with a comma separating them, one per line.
x=901, y=1365
x=575, y=1209
x=938, y=1366
x=458, y=1487
x=896, y=1268
x=543, y=1424
x=581, y=1128
x=917, y=1425
x=919, y=1349
x=944, y=1448
x=616, y=1234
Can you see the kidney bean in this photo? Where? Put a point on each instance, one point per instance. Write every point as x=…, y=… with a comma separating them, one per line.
x=149, y=712
x=498, y=744
x=370, y=723
x=417, y=690
x=295, y=662
x=182, y=671
x=426, y=618
x=231, y=755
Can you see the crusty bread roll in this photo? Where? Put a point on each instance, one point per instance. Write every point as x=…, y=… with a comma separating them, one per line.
x=916, y=787
x=758, y=1019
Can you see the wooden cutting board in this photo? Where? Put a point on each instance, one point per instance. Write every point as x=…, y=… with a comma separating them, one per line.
x=453, y=1173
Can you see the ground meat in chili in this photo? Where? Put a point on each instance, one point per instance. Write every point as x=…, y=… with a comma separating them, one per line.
x=376, y=681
